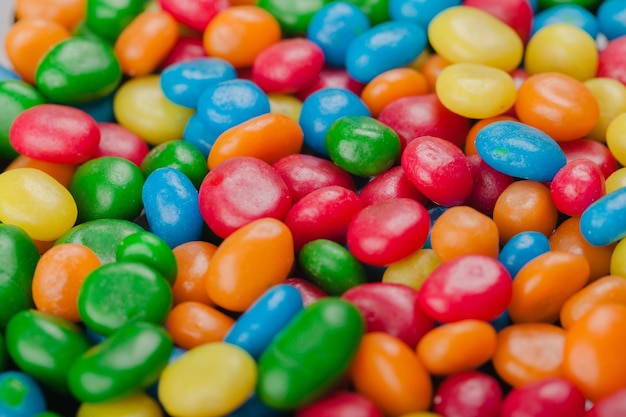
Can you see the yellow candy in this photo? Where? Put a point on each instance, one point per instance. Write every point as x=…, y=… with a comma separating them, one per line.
x=140, y=106
x=139, y=405
x=467, y=34
x=413, y=270
x=616, y=138
x=285, y=104
x=210, y=380
x=36, y=202
x=616, y=180
x=562, y=48
x=476, y=91
x=618, y=259
x=611, y=97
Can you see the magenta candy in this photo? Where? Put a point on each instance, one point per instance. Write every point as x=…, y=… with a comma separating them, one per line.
x=304, y=174
x=610, y=406
x=468, y=394
x=578, y=184
x=116, y=140
x=488, y=185
x=323, y=214
x=424, y=115
x=386, y=232
x=241, y=190
x=288, y=66
x=612, y=60
x=439, y=170
x=392, y=309
x=55, y=133
x=591, y=150
x=310, y=292
x=391, y=184
x=195, y=14
x=468, y=287
x=185, y=49
x=341, y=404
x=548, y=397
x=518, y=14
x=332, y=78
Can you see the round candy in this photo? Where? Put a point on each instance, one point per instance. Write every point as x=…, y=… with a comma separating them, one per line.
x=294, y=17
x=148, y=249
x=611, y=20
x=615, y=138
x=138, y=405
x=192, y=259
x=576, y=186
x=195, y=14
x=116, y=140
x=545, y=398
x=609, y=405
x=419, y=11
x=488, y=185
x=413, y=270
x=611, y=97
x=192, y=324
x=518, y=14
x=392, y=85
x=389, y=185
x=107, y=19
x=521, y=249
x=468, y=394
x=21, y=396
x=341, y=404
x=611, y=60
x=572, y=14
x=601, y=223
x=180, y=155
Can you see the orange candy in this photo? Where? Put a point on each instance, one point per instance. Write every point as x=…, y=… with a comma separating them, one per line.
x=431, y=68
x=558, y=104
x=268, y=137
x=457, y=347
x=525, y=206
x=390, y=374
x=593, y=357
x=462, y=230
x=529, y=352
x=392, y=85
x=192, y=324
x=61, y=172
x=66, y=12
x=606, y=290
x=544, y=284
x=59, y=276
x=193, y=259
x=145, y=42
x=248, y=262
x=238, y=34
x=470, y=139
x=28, y=41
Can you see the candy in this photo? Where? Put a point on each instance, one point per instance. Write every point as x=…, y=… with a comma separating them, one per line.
x=548, y=397
x=486, y=398
x=195, y=14
x=600, y=224
x=488, y=184
x=572, y=14
x=21, y=396
x=341, y=404
x=417, y=11
x=392, y=85
x=521, y=249
x=192, y=260
x=413, y=270
x=108, y=19
x=389, y=185
x=576, y=186
x=116, y=140
x=609, y=20
x=518, y=14
x=179, y=155
x=192, y=324
x=140, y=405
x=148, y=249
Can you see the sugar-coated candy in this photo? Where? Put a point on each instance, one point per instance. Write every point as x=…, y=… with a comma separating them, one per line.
x=294, y=17
x=195, y=14
x=518, y=14
x=419, y=11
x=107, y=19
x=576, y=186
x=488, y=184
x=522, y=248
x=600, y=223
x=15, y=97
x=548, y=397
x=192, y=261
x=191, y=324
x=391, y=184
x=151, y=250
x=413, y=270
x=486, y=398
x=198, y=134
x=116, y=140
x=610, y=20
x=310, y=292
x=611, y=97
x=611, y=60
x=180, y=155
x=572, y=14
x=21, y=395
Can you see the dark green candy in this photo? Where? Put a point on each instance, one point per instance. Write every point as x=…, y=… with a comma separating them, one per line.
x=127, y=362
x=311, y=355
x=123, y=292
x=78, y=70
x=180, y=155
x=376, y=10
x=331, y=266
x=15, y=97
x=293, y=15
x=362, y=145
x=108, y=18
x=45, y=346
x=149, y=249
x=589, y=4
x=107, y=188
x=3, y=354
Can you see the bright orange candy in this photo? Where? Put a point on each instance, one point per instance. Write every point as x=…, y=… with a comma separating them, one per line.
x=462, y=230
x=392, y=85
x=390, y=374
x=268, y=137
x=593, y=358
x=470, y=139
x=192, y=324
x=238, y=34
x=544, y=284
x=457, y=347
x=28, y=41
x=63, y=173
x=59, y=276
x=606, y=290
x=524, y=206
x=248, y=262
x=66, y=12
x=431, y=68
x=558, y=104
x=193, y=259
x=568, y=238
x=529, y=352
x=145, y=42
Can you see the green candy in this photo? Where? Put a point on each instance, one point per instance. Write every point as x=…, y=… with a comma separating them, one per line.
x=362, y=145
x=118, y=293
x=126, y=363
x=3, y=354
x=180, y=155
x=376, y=10
x=45, y=346
x=107, y=188
x=101, y=236
x=311, y=355
x=78, y=70
x=331, y=266
x=108, y=18
x=589, y=4
x=48, y=414
x=15, y=97
x=293, y=15
x=149, y=249
x=18, y=259
x=82, y=30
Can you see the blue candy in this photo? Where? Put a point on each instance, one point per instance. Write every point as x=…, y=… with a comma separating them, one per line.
x=197, y=133
x=321, y=109
x=612, y=18
x=7, y=74
x=183, y=83
x=604, y=221
x=384, y=47
x=522, y=248
x=171, y=204
x=420, y=12
x=567, y=13
x=101, y=109
x=20, y=395
x=520, y=151
x=255, y=329
x=333, y=27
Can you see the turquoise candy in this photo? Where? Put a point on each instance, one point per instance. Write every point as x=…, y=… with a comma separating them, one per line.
x=604, y=221
x=20, y=395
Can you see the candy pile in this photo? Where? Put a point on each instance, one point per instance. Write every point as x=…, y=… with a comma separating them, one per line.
x=313, y=208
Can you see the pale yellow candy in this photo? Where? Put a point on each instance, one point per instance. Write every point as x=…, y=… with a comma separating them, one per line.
x=413, y=270
x=140, y=106
x=36, y=202
x=611, y=97
x=467, y=34
x=210, y=380
x=562, y=48
x=618, y=259
x=616, y=180
x=286, y=105
x=138, y=405
x=616, y=138
x=476, y=91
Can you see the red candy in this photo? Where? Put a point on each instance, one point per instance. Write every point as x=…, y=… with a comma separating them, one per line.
x=548, y=397
x=612, y=60
x=55, y=133
x=391, y=184
x=309, y=292
x=116, y=140
x=341, y=404
x=195, y=14
x=578, y=184
x=591, y=150
x=332, y=78
x=185, y=49
x=469, y=394
x=518, y=14
x=610, y=406
x=488, y=185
